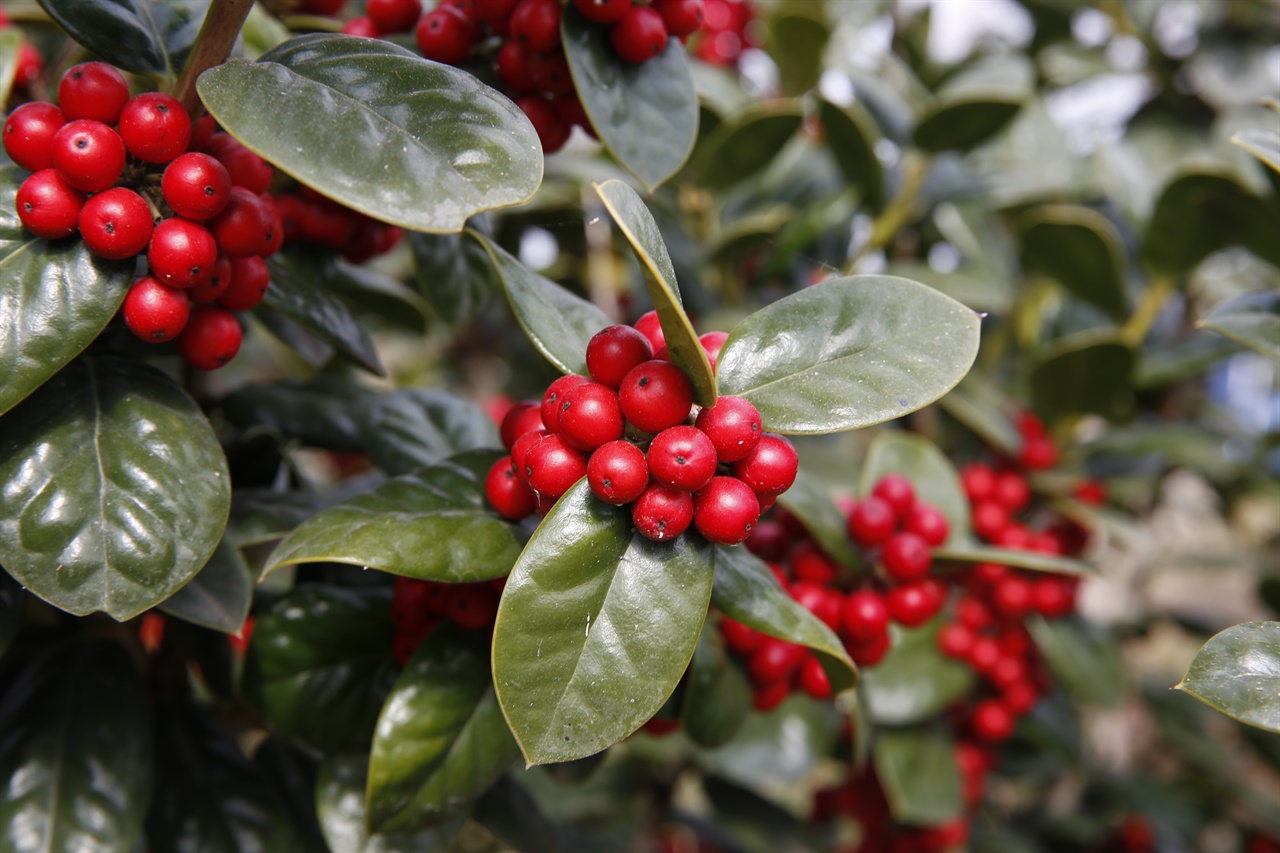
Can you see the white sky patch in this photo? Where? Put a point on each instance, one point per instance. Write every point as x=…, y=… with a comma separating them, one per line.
x=1095, y=112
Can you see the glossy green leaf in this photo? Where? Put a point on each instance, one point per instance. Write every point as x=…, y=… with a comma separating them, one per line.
x=595, y=628
x=717, y=694
x=320, y=664
x=740, y=148
x=1083, y=658
x=646, y=115
x=13, y=604
x=1263, y=144
x=976, y=103
x=981, y=406
x=1081, y=250
x=453, y=273
x=1253, y=319
x=114, y=489
x=914, y=682
x=363, y=287
x=432, y=524
x=441, y=739
x=264, y=515
x=379, y=129
x=851, y=135
x=1088, y=372
x=848, y=353
x=637, y=224
x=75, y=747
x=208, y=796
x=407, y=429
x=1238, y=673
x=971, y=552
x=11, y=41
x=317, y=412
x=55, y=298
x=797, y=36
x=218, y=597
x=559, y=323
x=918, y=771
x=144, y=36
x=514, y=817
x=341, y=805
x=747, y=591
x=935, y=479
x=1203, y=211
x=297, y=294
x=309, y=346
x=809, y=501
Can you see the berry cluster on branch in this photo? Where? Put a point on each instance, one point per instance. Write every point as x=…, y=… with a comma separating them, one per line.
x=418, y=606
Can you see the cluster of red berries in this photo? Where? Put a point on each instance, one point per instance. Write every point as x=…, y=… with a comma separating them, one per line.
x=631, y=429
x=417, y=607
x=521, y=38
x=310, y=217
x=726, y=31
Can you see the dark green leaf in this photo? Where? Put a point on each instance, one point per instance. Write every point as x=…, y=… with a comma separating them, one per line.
x=441, y=739
x=971, y=552
x=405, y=430
x=747, y=591
x=747, y=144
x=918, y=771
x=1088, y=372
x=1201, y=212
x=208, y=795
x=75, y=747
x=1238, y=673
x=321, y=663
x=637, y=224
x=1253, y=319
x=115, y=490
x=340, y=802
x=646, y=115
x=318, y=412
x=758, y=824
x=219, y=596
x=848, y=353
x=292, y=770
x=596, y=626
x=1083, y=658
x=914, y=682
x=809, y=500
x=558, y=323
x=851, y=135
x=307, y=344
x=929, y=470
x=1263, y=144
x=980, y=405
x=431, y=524
x=55, y=298
x=297, y=294
x=379, y=129
x=13, y=603
x=367, y=288
x=1161, y=363
x=717, y=694
x=1081, y=250
x=797, y=36
x=453, y=273
x=975, y=104
x=513, y=816
x=144, y=36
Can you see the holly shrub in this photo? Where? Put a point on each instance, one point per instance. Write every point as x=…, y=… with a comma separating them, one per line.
x=639, y=425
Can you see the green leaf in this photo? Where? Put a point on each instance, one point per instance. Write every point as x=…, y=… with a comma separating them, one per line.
x=980, y=405
x=307, y=344
x=1201, y=212
x=717, y=694
x=113, y=489
x=320, y=664
x=1238, y=673
x=441, y=739
x=219, y=596
x=431, y=524
x=513, y=816
x=929, y=470
x=1088, y=372
x=318, y=412
x=914, y=682
x=340, y=803
x=747, y=591
x=75, y=747
x=558, y=323
x=379, y=129
x=1085, y=659
x=1263, y=144
x=851, y=135
x=757, y=823
x=809, y=501
x=918, y=771
x=365, y=288
x=595, y=628
x=13, y=604
x=11, y=41
x=292, y=770
x=976, y=104
x=1253, y=319
x=208, y=796
x=747, y=144
x=971, y=552
x=143, y=36
x=848, y=353
x=797, y=36
x=646, y=115
x=405, y=430
x=637, y=224
x=453, y=273
x=1081, y=250
x=55, y=298
x=297, y=294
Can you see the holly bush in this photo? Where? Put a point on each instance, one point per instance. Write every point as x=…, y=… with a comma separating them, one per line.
x=686, y=425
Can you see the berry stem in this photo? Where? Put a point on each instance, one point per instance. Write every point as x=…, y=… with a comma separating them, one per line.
x=222, y=24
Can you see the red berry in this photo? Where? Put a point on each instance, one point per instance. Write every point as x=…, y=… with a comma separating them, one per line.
x=211, y=338
x=682, y=458
x=639, y=35
x=116, y=224
x=956, y=641
x=214, y=284
x=155, y=312
x=769, y=541
x=444, y=35
x=906, y=557
x=155, y=128
x=770, y=468
x=29, y=132
x=196, y=186
x=521, y=418
x=712, y=343
x=181, y=252
x=812, y=679
x=913, y=604
x=1008, y=671
x=809, y=562
x=734, y=426
x=1020, y=697
x=554, y=396
x=250, y=279
x=871, y=521
x=1030, y=426
x=520, y=453
x=897, y=491
x=989, y=573
x=1012, y=596
x=244, y=167
x=393, y=16
x=361, y=27
x=871, y=652
x=1011, y=491
x=1053, y=597
x=770, y=696
x=655, y=395
x=613, y=351
x=553, y=466
x=513, y=66
x=661, y=513
x=985, y=655
x=602, y=11
x=48, y=206
x=509, y=497
x=992, y=720
x=775, y=660
x=928, y=523
x=989, y=519
x=979, y=481
x=550, y=74
x=88, y=154
x=590, y=416
x=1038, y=454
x=494, y=12
x=826, y=604
x=536, y=24
x=93, y=90
x=29, y=67
x=682, y=17
x=1090, y=492
x=973, y=613
x=552, y=131
x=618, y=472
x=472, y=606
x=202, y=132
x=650, y=326
x=725, y=511
x=740, y=639
x=245, y=227
x=866, y=617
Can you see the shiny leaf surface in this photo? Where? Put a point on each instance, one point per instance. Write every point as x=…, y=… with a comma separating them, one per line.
x=1238, y=673
x=143, y=36
x=1253, y=319
x=453, y=273
x=297, y=294
x=930, y=471
x=918, y=771
x=219, y=596
x=914, y=682
x=405, y=430
x=317, y=412
x=341, y=805
x=1081, y=250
